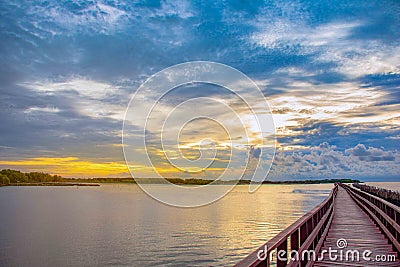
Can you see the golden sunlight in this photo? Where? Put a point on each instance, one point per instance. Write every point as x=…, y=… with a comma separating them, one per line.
x=70, y=166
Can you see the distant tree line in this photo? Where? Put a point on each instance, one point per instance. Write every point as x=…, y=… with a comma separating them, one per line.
x=16, y=177
x=317, y=181
x=99, y=180
x=189, y=181
x=8, y=176
x=194, y=181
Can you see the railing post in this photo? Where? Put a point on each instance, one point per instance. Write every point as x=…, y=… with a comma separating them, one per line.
x=303, y=234
x=309, y=224
x=281, y=247
x=397, y=219
x=294, y=241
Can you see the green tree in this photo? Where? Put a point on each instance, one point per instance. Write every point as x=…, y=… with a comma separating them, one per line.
x=15, y=176
x=20, y=177
x=4, y=180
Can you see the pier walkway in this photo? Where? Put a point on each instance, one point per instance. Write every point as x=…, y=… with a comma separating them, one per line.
x=350, y=228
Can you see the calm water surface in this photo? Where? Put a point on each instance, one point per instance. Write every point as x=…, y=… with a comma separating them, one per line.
x=119, y=225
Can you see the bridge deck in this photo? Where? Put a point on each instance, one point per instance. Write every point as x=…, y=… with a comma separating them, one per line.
x=351, y=223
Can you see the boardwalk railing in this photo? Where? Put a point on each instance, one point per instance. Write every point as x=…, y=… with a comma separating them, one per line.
x=307, y=233
x=386, y=194
x=385, y=214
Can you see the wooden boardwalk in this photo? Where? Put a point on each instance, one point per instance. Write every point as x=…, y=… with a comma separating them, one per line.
x=352, y=224
x=349, y=228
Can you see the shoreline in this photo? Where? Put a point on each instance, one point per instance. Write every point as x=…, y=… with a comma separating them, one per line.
x=51, y=184
x=198, y=182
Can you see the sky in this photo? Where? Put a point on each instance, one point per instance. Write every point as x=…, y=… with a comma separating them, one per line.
x=330, y=71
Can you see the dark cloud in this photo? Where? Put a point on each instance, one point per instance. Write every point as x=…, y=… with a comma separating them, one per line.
x=255, y=152
x=370, y=154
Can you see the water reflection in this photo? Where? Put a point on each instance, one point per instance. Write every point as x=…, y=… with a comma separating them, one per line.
x=120, y=225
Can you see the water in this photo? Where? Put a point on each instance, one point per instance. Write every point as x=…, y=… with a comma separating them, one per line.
x=119, y=225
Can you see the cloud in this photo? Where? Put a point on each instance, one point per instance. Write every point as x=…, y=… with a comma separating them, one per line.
x=87, y=97
x=326, y=160
x=96, y=16
x=332, y=43
x=179, y=9
x=370, y=154
x=42, y=109
x=308, y=112
x=343, y=103
x=82, y=86
x=279, y=33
